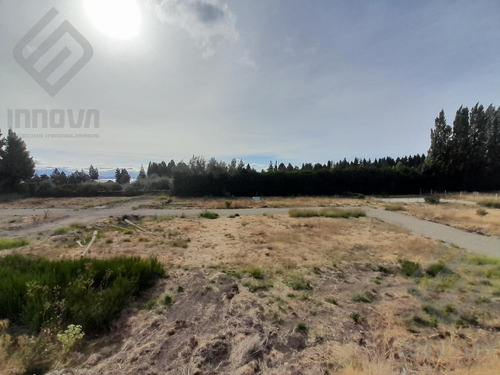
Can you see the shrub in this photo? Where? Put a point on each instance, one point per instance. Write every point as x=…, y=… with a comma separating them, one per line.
x=410, y=269
x=490, y=203
x=209, y=215
x=254, y=287
x=35, y=292
x=331, y=300
x=365, y=297
x=327, y=212
x=438, y=268
x=256, y=273
x=70, y=337
x=481, y=212
x=167, y=300
x=357, y=318
x=422, y=322
x=298, y=282
x=301, y=328
x=12, y=243
x=394, y=207
x=432, y=199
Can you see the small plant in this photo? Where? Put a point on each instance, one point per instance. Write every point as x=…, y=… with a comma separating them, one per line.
x=70, y=337
x=228, y=204
x=209, y=215
x=302, y=328
x=167, y=300
x=365, y=297
x=410, y=269
x=438, y=268
x=357, y=318
x=422, y=322
x=109, y=240
x=432, y=199
x=180, y=289
x=298, y=282
x=414, y=292
x=151, y=304
x=256, y=273
x=254, y=287
x=331, y=300
x=481, y=212
x=376, y=282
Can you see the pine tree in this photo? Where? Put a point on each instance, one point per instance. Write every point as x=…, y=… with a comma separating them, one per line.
x=142, y=173
x=440, y=150
x=16, y=163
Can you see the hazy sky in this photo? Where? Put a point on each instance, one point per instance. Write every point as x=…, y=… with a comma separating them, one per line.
x=287, y=80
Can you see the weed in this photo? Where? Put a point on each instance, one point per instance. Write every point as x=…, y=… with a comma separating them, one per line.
x=376, y=282
x=410, y=269
x=432, y=199
x=481, y=212
x=254, y=287
x=331, y=300
x=167, y=300
x=86, y=292
x=422, y=322
x=256, y=273
x=209, y=215
x=438, y=268
x=490, y=203
x=180, y=289
x=8, y=243
x=70, y=337
x=151, y=304
x=228, y=204
x=357, y=318
x=365, y=297
x=394, y=207
x=298, y=282
x=467, y=320
x=302, y=328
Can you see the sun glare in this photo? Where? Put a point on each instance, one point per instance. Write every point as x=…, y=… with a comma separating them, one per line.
x=119, y=19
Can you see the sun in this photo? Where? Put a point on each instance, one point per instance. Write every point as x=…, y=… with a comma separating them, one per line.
x=119, y=19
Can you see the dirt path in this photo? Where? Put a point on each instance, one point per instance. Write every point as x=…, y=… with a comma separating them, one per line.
x=470, y=241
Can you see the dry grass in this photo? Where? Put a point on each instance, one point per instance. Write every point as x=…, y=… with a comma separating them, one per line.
x=287, y=270
x=459, y=216
x=82, y=202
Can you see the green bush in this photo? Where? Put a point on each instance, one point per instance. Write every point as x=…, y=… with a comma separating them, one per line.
x=481, y=212
x=298, y=282
x=209, y=215
x=432, y=199
x=410, y=269
x=365, y=297
x=12, y=243
x=35, y=292
x=490, y=203
x=327, y=212
x=438, y=268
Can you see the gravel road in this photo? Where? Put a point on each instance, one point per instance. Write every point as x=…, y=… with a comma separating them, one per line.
x=470, y=241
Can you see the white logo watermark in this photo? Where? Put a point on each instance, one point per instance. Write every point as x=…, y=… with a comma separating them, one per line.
x=50, y=76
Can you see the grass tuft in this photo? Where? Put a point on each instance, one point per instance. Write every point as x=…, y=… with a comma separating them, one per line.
x=489, y=203
x=209, y=215
x=12, y=243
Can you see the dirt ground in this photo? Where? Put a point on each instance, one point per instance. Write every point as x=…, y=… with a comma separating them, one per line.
x=277, y=295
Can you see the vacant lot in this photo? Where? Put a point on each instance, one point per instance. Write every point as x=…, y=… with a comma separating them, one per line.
x=281, y=295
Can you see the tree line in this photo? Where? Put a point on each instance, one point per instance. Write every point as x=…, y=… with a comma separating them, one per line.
x=464, y=156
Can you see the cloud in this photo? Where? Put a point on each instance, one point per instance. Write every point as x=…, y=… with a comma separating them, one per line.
x=247, y=60
x=208, y=22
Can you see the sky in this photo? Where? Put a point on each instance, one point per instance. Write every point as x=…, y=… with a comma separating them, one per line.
x=287, y=80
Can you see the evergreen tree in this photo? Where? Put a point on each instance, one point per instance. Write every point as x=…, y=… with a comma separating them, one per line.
x=142, y=173
x=440, y=150
x=16, y=164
